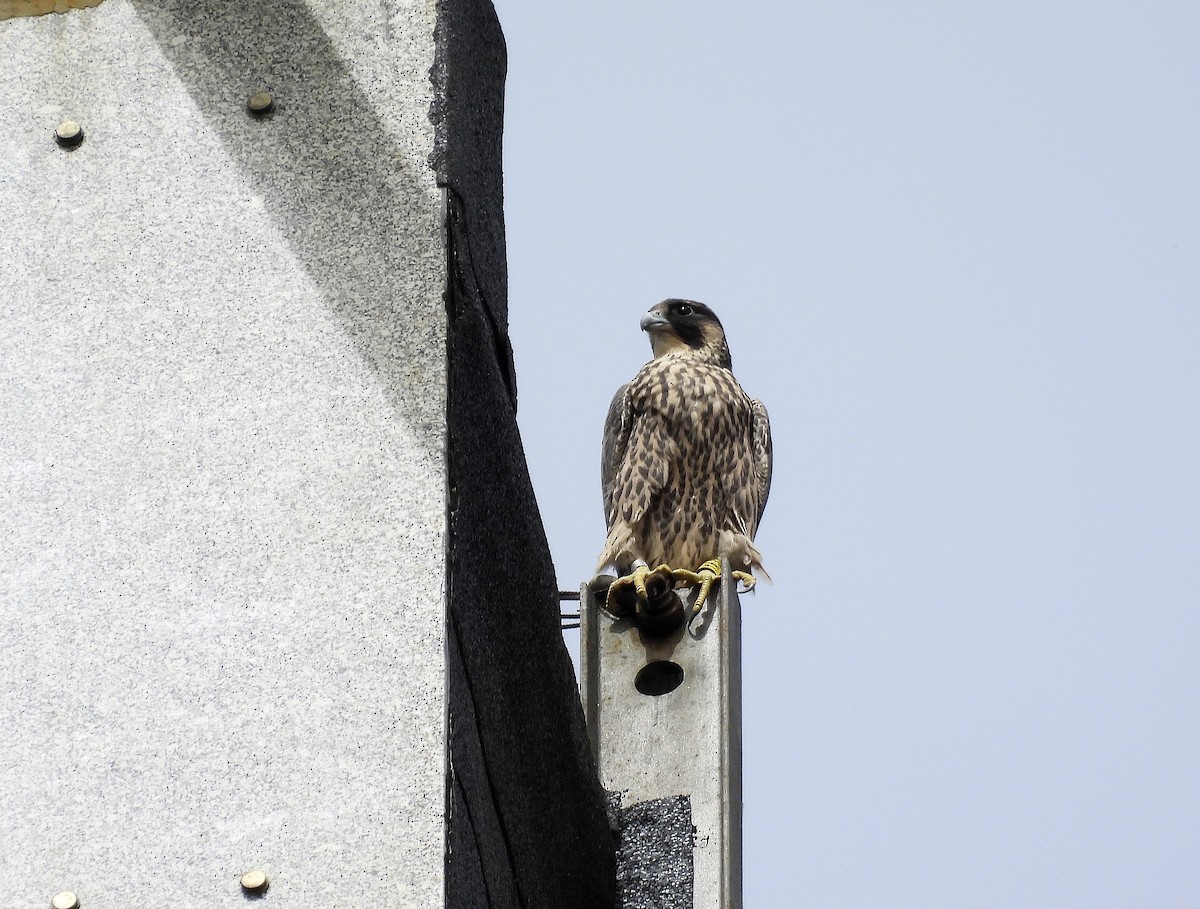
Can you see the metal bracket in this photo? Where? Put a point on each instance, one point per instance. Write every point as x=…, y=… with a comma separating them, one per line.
x=664, y=715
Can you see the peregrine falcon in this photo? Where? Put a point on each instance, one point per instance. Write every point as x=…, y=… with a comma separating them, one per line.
x=686, y=464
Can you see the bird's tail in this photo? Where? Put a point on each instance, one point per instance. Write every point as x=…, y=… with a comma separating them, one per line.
x=743, y=555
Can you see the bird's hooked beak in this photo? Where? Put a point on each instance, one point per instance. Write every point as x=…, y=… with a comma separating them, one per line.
x=653, y=320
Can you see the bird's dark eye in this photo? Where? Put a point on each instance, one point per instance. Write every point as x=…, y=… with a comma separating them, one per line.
x=682, y=309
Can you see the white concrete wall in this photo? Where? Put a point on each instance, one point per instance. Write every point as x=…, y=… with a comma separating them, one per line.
x=222, y=457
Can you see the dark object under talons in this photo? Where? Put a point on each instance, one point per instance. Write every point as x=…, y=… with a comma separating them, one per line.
x=662, y=615
x=659, y=582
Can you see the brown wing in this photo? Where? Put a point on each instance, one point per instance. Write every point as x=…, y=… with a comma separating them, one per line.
x=748, y=477
x=763, y=458
x=635, y=461
x=612, y=450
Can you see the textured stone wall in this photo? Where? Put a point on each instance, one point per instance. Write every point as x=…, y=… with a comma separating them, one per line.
x=223, y=450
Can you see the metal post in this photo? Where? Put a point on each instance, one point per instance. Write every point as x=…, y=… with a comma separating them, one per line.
x=664, y=714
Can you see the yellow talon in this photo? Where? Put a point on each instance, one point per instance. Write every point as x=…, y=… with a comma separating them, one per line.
x=704, y=577
x=748, y=580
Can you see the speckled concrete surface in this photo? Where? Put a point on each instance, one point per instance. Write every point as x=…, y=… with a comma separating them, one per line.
x=654, y=853
x=222, y=457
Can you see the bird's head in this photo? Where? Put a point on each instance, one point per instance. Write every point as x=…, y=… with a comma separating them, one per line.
x=682, y=325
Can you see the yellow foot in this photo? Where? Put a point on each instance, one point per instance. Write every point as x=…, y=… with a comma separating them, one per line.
x=704, y=577
x=633, y=592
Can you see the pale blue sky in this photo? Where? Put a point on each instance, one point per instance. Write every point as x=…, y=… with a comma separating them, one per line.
x=955, y=247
